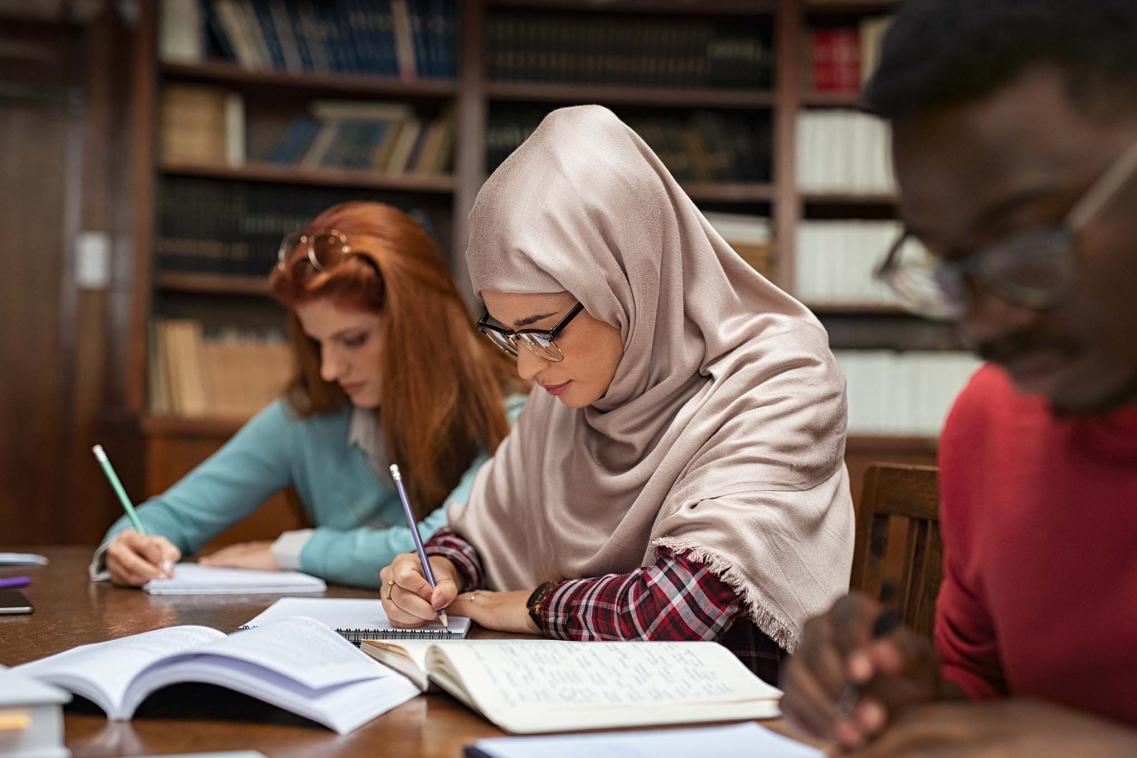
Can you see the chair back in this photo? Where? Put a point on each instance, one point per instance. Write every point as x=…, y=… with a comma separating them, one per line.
x=898, y=540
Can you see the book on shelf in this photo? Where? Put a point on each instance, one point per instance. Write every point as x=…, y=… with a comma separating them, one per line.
x=835, y=261
x=527, y=686
x=698, y=146
x=903, y=392
x=202, y=124
x=297, y=664
x=842, y=58
x=749, y=236
x=404, y=38
x=843, y=151
x=229, y=375
x=629, y=50
x=374, y=137
x=181, y=37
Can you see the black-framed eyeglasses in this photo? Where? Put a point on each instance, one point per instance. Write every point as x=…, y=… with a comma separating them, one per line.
x=540, y=342
x=1034, y=269
x=324, y=250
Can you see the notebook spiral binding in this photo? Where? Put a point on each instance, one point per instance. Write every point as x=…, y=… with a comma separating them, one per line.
x=357, y=636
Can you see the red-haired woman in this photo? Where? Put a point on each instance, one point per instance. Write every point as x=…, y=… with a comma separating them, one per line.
x=391, y=370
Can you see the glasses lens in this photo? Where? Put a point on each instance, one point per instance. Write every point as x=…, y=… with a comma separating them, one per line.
x=287, y=245
x=327, y=249
x=542, y=347
x=504, y=343
x=1032, y=269
x=926, y=285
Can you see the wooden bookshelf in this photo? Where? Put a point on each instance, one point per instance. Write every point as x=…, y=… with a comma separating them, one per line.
x=211, y=284
x=322, y=177
x=470, y=98
x=352, y=85
x=661, y=97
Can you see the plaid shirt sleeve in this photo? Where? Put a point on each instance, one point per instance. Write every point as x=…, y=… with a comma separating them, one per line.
x=447, y=544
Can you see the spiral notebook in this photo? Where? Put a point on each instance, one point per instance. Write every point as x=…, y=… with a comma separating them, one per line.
x=358, y=619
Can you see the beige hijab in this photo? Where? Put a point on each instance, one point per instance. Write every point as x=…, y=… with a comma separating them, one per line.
x=722, y=433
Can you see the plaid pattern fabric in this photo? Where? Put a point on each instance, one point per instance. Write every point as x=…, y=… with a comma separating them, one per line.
x=673, y=599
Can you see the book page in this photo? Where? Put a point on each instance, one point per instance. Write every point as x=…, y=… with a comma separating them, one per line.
x=301, y=649
x=604, y=674
x=103, y=671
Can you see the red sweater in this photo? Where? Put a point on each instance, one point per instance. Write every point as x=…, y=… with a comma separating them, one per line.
x=1039, y=520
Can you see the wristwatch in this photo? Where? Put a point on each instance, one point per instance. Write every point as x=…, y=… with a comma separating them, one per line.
x=536, y=602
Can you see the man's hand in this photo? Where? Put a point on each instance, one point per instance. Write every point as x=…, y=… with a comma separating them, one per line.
x=134, y=559
x=1004, y=728
x=843, y=684
x=245, y=555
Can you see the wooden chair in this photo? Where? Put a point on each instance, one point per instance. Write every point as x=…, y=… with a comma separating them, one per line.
x=898, y=540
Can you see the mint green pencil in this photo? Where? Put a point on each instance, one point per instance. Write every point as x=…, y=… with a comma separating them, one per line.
x=101, y=457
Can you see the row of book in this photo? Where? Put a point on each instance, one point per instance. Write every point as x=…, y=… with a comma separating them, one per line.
x=834, y=261
x=750, y=236
x=631, y=50
x=228, y=375
x=842, y=58
x=219, y=227
x=843, y=151
x=699, y=146
x=903, y=393
x=405, y=38
x=203, y=125
x=385, y=138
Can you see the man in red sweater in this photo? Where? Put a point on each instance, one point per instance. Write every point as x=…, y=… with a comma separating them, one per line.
x=1014, y=128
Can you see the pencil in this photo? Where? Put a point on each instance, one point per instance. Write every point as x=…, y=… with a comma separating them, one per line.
x=112, y=477
x=398, y=477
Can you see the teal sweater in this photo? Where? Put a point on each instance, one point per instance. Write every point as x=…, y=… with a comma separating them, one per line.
x=359, y=522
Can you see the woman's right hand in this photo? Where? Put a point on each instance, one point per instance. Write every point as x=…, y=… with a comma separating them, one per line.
x=407, y=596
x=134, y=559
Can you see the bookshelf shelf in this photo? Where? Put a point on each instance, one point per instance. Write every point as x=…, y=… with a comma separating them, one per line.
x=850, y=8
x=673, y=7
x=267, y=172
x=359, y=85
x=729, y=192
x=831, y=99
x=211, y=284
x=665, y=97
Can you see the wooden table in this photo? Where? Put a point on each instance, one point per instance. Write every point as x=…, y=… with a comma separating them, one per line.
x=70, y=611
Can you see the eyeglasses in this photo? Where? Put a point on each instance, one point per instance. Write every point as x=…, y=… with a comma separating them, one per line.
x=324, y=250
x=1035, y=269
x=541, y=342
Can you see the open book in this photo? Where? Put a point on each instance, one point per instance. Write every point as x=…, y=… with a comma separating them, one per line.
x=527, y=686
x=297, y=664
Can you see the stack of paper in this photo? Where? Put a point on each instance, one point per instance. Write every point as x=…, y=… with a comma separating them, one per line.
x=192, y=579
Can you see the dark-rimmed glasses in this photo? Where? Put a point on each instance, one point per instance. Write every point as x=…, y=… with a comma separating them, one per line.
x=1035, y=269
x=540, y=342
x=324, y=250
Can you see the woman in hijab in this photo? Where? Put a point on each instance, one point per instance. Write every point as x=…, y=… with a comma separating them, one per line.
x=678, y=473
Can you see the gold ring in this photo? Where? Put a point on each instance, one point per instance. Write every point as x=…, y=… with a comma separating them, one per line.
x=390, y=588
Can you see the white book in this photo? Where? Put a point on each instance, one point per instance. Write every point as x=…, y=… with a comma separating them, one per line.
x=736, y=741
x=297, y=664
x=527, y=686
x=358, y=619
x=195, y=579
x=34, y=715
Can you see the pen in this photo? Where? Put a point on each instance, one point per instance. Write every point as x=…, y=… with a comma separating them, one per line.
x=884, y=625
x=112, y=477
x=398, y=477
x=15, y=581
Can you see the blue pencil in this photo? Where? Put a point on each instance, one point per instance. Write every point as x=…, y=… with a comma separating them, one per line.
x=398, y=477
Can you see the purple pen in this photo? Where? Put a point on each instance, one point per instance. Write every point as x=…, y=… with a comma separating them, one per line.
x=414, y=534
x=15, y=581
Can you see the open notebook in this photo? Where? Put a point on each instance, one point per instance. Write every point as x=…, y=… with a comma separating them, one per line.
x=357, y=619
x=527, y=686
x=195, y=579
x=296, y=664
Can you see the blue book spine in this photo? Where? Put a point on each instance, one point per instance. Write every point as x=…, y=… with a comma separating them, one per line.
x=384, y=26
x=268, y=32
x=216, y=31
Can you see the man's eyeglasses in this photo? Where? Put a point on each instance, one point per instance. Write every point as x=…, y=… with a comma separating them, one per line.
x=540, y=342
x=324, y=250
x=1035, y=269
